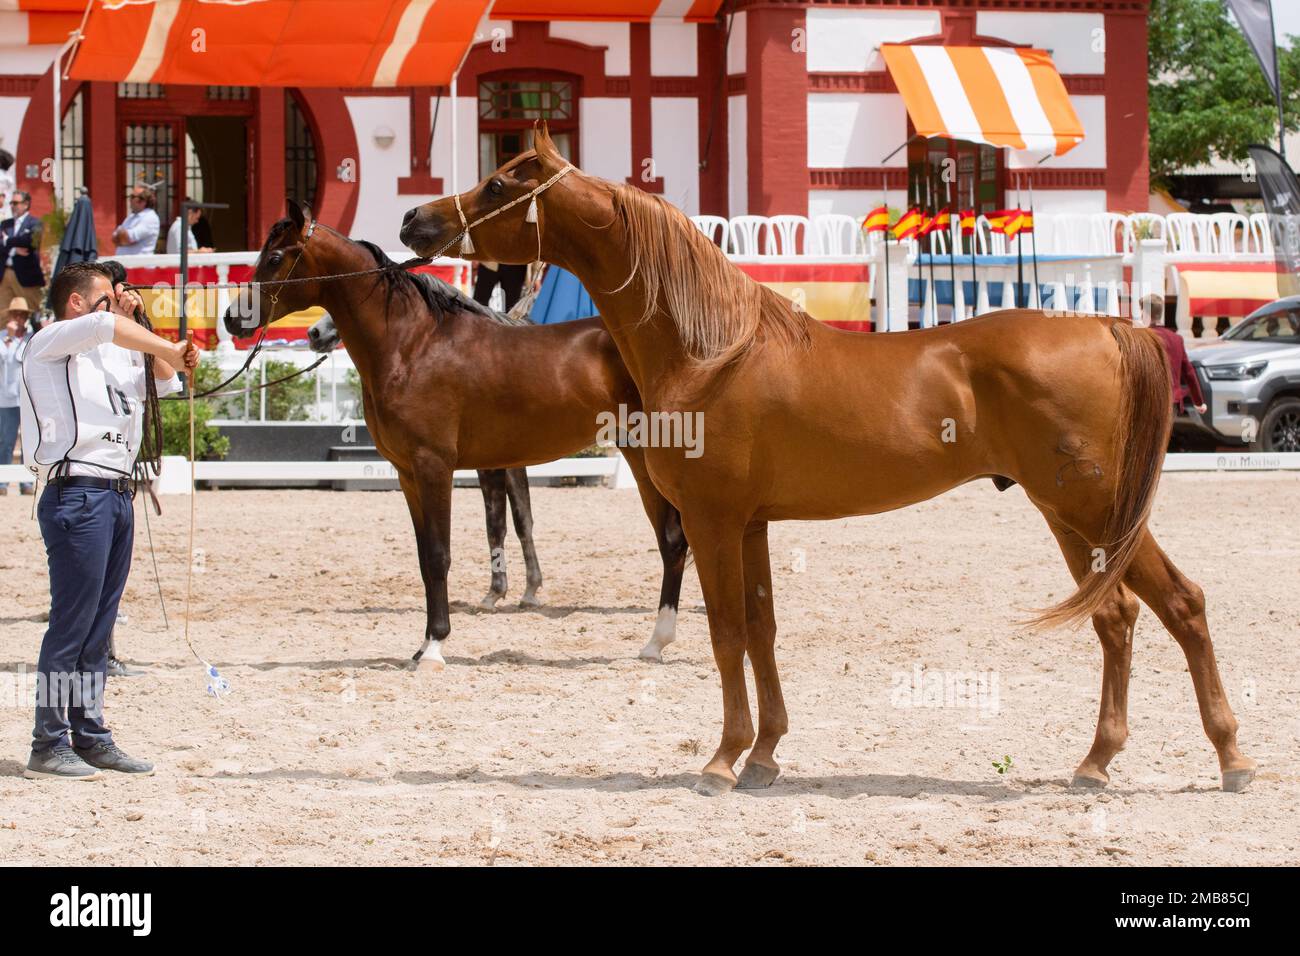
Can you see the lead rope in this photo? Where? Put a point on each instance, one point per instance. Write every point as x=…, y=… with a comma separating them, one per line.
x=217, y=685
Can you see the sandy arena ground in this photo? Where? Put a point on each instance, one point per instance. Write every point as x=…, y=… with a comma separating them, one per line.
x=547, y=741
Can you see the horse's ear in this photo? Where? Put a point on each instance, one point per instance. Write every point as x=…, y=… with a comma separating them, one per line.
x=295, y=212
x=542, y=141
x=305, y=209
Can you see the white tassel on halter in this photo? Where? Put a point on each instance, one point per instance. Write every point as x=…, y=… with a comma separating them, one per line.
x=466, y=244
x=531, y=215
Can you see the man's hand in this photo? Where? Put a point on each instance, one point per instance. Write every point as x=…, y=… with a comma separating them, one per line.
x=22, y=250
x=1202, y=408
x=126, y=301
x=186, y=357
x=12, y=328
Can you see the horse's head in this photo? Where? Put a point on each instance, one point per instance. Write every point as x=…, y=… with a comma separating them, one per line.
x=285, y=254
x=323, y=336
x=511, y=236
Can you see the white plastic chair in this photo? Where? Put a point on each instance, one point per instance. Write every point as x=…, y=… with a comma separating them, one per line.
x=838, y=234
x=990, y=243
x=1115, y=233
x=789, y=236
x=1260, y=234
x=1224, y=227
x=746, y=232
x=1188, y=232
x=717, y=228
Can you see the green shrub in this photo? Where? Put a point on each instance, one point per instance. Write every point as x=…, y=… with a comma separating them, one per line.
x=208, y=440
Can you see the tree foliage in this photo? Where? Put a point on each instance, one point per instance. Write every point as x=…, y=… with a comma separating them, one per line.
x=1207, y=94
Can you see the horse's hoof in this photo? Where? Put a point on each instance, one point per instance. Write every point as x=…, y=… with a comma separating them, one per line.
x=529, y=600
x=429, y=657
x=757, y=776
x=489, y=601
x=1236, y=781
x=652, y=652
x=1087, y=781
x=713, y=785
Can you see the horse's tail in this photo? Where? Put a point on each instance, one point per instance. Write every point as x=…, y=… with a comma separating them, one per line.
x=1141, y=438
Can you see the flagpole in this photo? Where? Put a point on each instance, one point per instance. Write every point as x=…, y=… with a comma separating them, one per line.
x=952, y=263
x=1020, y=252
x=920, y=280
x=929, y=195
x=974, y=238
x=1033, y=231
x=884, y=201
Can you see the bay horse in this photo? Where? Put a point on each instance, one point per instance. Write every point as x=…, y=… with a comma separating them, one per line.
x=805, y=421
x=448, y=383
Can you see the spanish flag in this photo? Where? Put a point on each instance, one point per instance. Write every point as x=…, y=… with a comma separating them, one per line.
x=1026, y=221
x=877, y=220
x=1014, y=222
x=908, y=224
x=968, y=218
x=938, y=222
x=998, y=220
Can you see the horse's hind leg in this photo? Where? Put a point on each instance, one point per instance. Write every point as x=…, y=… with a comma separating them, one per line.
x=1114, y=623
x=761, y=768
x=521, y=508
x=1180, y=605
x=492, y=482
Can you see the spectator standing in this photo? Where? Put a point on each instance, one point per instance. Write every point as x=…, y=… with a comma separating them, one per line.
x=13, y=343
x=138, y=233
x=1184, y=386
x=174, y=234
x=21, y=273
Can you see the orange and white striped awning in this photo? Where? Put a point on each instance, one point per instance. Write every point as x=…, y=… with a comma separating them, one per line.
x=693, y=11
x=368, y=43
x=38, y=22
x=1002, y=96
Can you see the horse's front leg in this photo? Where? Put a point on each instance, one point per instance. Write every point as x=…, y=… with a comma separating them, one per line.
x=717, y=543
x=672, y=551
x=433, y=488
x=412, y=493
x=492, y=482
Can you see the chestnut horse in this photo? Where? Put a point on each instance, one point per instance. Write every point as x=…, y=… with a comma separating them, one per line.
x=447, y=383
x=805, y=421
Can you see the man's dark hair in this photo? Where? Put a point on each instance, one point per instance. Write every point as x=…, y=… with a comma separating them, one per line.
x=116, y=271
x=6, y=160
x=78, y=277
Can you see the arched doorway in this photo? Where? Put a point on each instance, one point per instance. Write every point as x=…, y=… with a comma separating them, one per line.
x=189, y=141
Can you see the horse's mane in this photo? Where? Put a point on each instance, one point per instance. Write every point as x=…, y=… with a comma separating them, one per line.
x=437, y=295
x=720, y=313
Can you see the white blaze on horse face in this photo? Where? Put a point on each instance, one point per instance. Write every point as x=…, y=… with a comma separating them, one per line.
x=664, y=634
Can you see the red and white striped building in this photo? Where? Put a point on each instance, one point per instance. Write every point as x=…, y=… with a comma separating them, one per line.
x=725, y=107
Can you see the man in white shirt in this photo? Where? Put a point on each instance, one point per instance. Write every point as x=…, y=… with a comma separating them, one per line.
x=83, y=389
x=174, y=234
x=13, y=342
x=138, y=232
